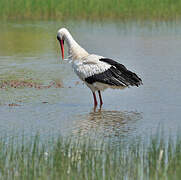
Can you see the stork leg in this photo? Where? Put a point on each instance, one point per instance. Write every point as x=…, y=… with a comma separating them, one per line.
x=100, y=97
x=95, y=100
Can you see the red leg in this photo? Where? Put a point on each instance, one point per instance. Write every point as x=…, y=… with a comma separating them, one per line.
x=100, y=97
x=95, y=100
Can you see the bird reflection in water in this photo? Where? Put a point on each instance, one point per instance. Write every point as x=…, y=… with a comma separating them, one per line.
x=107, y=123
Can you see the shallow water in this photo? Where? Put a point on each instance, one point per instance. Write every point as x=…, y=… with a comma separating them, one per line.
x=29, y=51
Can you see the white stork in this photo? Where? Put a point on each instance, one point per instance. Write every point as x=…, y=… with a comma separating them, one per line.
x=98, y=72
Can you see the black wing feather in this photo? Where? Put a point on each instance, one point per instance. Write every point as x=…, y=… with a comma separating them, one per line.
x=116, y=75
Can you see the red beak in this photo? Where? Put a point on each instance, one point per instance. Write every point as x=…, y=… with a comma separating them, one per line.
x=62, y=47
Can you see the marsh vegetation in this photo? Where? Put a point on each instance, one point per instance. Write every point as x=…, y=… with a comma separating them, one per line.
x=65, y=158
x=94, y=10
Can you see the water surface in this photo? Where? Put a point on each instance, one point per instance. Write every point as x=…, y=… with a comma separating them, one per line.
x=29, y=51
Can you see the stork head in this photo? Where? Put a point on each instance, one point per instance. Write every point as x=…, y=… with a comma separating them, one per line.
x=61, y=35
x=74, y=49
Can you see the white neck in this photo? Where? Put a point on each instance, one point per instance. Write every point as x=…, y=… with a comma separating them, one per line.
x=75, y=51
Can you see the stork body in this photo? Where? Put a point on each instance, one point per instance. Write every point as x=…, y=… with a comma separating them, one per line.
x=98, y=72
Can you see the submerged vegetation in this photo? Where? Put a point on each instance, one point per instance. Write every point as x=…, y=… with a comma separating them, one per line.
x=94, y=9
x=30, y=83
x=64, y=158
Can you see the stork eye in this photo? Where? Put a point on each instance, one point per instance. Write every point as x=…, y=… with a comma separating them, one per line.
x=58, y=38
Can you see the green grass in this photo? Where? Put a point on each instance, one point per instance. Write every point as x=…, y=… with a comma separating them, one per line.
x=91, y=9
x=64, y=158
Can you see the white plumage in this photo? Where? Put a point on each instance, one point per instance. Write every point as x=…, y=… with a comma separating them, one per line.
x=89, y=66
x=96, y=71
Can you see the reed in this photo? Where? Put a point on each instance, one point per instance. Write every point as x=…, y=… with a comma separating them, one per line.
x=93, y=10
x=64, y=158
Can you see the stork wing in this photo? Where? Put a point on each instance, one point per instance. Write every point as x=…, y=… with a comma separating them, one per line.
x=116, y=75
x=89, y=66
